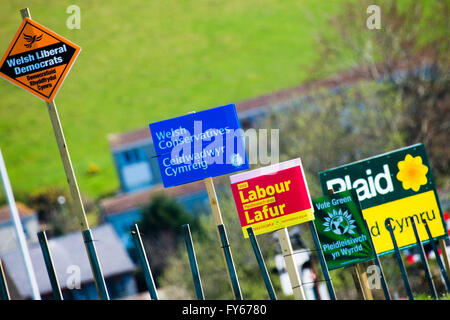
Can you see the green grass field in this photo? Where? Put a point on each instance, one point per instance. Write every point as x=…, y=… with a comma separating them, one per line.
x=144, y=61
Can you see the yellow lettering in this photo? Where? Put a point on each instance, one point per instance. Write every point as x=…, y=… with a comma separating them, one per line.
x=258, y=216
x=286, y=184
x=248, y=218
x=252, y=195
x=243, y=200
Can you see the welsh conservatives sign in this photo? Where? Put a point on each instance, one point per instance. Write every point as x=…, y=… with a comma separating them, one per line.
x=343, y=236
x=273, y=197
x=198, y=145
x=396, y=186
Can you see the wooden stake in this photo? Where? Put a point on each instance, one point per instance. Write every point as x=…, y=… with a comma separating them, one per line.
x=65, y=157
x=363, y=282
x=75, y=192
x=4, y=292
x=64, y=153
x=291, y=267
x=214, y=203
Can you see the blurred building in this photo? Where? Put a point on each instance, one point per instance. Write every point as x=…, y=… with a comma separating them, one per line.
x=30, y=224
x=72, y=267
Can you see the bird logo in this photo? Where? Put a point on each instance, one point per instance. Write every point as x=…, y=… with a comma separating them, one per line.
x=31, y=39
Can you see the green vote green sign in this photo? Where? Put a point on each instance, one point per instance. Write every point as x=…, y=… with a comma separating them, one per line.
x=342, y=233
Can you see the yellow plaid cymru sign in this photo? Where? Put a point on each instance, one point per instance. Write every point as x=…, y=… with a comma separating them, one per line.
x=396, y=186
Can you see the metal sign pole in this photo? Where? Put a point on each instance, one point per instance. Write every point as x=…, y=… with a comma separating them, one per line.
x=322, y=261
x=261, y=264
x=399, y=259
x=43, y=242
x=4, y=293
x=426, y=268
x=193, y=262
x=95, y=264
x=214, y=203
x=144, y=262
x=438, y=257
x=19, y=230
x=387, y=295
x=230, y=264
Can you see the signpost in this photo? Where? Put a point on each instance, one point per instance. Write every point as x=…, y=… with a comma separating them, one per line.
x=342, y=233
x=322, y=261
x=423, y=257
x=199, y=146
x=193, y=262
x=38, y=60
x=53, y=277
x=400, y=263
x=18, y=228
x=438, y=258
x=395, y=186
x=273, y=198
x=261, y=264
x=139, y=246
x=340, y=226
x=4, y=293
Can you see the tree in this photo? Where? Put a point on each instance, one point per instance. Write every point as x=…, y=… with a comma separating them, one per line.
x=55, y=210
x=410, y=55
x=160, y=227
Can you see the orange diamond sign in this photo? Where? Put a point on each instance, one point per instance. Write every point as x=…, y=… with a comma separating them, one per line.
x=38, y=60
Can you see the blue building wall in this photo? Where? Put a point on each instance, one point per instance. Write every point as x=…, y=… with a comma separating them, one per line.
x=137, y=167
x=122, y=223
x=24, y=220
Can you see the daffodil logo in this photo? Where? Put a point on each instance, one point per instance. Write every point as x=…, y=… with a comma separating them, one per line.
x=339, y=222
x=412, y=173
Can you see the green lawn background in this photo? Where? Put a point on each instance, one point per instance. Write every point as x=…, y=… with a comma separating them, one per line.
x=144, y=61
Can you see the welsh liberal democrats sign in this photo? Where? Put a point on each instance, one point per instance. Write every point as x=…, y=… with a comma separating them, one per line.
x=395, y=185
x=199, y=145
x=38, y=60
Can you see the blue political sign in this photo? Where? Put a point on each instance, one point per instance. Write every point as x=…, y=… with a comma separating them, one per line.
x=199, y=145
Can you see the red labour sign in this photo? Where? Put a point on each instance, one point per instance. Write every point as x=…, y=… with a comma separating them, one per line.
x=273, y=197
